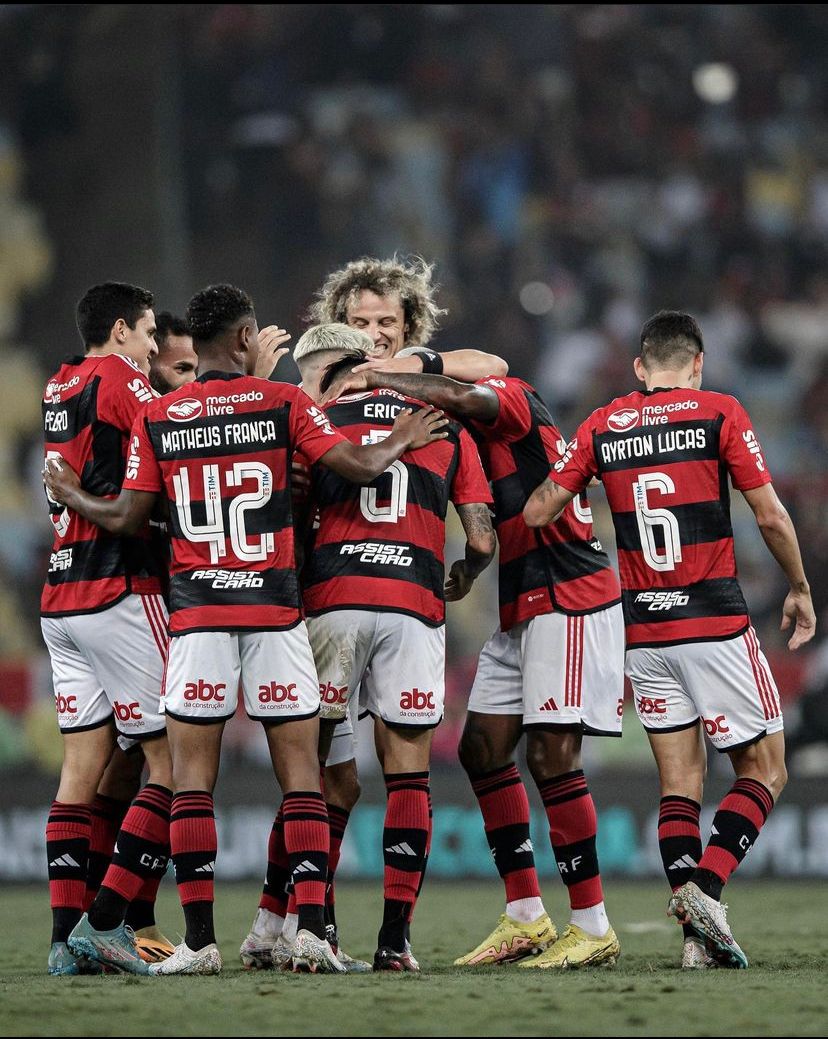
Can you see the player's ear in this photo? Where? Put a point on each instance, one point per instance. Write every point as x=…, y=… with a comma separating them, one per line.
x=119, y=331
x=640, y=370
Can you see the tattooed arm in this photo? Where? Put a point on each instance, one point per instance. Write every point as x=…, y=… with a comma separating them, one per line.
x=546, y=503
x=480, y=547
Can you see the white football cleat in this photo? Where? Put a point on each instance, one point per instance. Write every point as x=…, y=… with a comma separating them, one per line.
x=185, y=961
x=312, y=955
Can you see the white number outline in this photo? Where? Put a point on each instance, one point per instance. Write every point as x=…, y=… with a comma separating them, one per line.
x=649, y=519
x=398, y=503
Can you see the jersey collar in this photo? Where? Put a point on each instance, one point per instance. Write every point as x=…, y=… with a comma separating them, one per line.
x=226, y=376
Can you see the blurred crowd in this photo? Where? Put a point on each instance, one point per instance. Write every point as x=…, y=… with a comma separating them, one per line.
x=570, y=169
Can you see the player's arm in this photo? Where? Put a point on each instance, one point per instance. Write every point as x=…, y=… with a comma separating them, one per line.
x=477, y=403
x=411, y=430
x=546, y=503
x=480, y=548
x=780, y=536
x=465, y=365
x=125, y=514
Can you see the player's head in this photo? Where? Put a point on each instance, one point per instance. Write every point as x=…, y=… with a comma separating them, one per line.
x=117, y=318
x=175, y=363
x=223, y=326
x=391, y=300
x=671, y=342
x=323, y=344
x=336, y=371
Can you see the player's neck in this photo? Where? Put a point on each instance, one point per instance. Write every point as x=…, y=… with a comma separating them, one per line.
x=217, y=361
x=110, y=347
x=670, y=380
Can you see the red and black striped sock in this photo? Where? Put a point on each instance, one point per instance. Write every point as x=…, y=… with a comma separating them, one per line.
x=338, y=821
x=277, y=879
x=573, y=826
x=679, y=841
x=141, y=851
x=68, y=833
x=307, y=839
x=404, y=841
x=505, y=809
x=736, y=825
x=107, y=816
x=194, y=848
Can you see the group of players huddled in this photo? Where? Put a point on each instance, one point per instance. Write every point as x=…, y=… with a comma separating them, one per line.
x=216, y=532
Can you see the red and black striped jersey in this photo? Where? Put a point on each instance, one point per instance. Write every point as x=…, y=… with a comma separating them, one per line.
x=560, y=567
x=381, y=547
x=219, y=449
x=664, y=456
x=89, y=407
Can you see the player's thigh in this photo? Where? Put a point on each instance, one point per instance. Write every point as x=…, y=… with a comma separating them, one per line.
x=681, y=759
x=733, y=689
x=81, y=702
x=405, y=748
x=405, y=682
x=662, y=700
x=126, y=645
x=201, y=682
x=86, y=754
x=293, y=744
x=573, y=671
x=122, y=779
x=341, y=643
x=278, y=675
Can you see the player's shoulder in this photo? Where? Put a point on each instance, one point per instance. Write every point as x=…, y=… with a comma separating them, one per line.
x=726, y=403
x=505, y=384
x=620, y=414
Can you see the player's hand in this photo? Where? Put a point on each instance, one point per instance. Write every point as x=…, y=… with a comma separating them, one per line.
x=60, y=479
x=392, y=364
x=458, y=583
x=353, y=382
x=271, y=350
x=300, y=482
x=421, y=427
x=798, y=609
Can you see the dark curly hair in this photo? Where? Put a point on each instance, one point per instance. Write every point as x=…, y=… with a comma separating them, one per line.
x=216, y=309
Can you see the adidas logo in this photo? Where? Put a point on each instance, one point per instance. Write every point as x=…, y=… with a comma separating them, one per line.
x=402, y=849
x=65, y=860
x=209, y=867
x=526, y=846
x=714, y=832
x=550, y=705
x=306, y=867
x=685, y=862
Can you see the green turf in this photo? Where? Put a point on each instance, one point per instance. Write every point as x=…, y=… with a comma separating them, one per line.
x=781, y=927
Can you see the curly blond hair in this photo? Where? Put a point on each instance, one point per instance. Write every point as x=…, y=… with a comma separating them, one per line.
x=409, y=279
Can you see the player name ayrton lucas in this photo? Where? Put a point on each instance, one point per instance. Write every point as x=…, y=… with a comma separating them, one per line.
x=667, y=442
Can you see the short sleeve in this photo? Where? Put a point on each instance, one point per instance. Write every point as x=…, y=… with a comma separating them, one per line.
x=514, y=419
x=143, y=472
x=310, y=429
x=741, y=452
x=470, y=484
x=124, y=393
x=577, y=466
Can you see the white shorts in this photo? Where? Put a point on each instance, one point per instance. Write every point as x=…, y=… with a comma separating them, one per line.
x=556, y=669
x=275, y=668
x=727, y=684
x=397, y=662
x=343, y=743
x=110, y=664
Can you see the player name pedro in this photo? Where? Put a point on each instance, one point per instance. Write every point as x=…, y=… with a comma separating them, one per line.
x=252, y=431
x=668, y=442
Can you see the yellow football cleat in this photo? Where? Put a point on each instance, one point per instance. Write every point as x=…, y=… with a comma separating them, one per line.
x=511, y=940
x=575, y=948
x=152, y=946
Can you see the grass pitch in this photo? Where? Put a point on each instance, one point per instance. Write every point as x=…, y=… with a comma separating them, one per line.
x=778, y=925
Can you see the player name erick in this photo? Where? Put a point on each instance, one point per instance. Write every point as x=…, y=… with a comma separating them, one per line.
x=644, y=444
x=253, y=431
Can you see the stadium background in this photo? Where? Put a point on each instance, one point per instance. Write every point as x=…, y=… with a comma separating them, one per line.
x=570, y=168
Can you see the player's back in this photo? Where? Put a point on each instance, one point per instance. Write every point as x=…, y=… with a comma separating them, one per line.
x=381, y=547
x=88, y=409
x=561, y=566
x=664, y=456
x=219, y=450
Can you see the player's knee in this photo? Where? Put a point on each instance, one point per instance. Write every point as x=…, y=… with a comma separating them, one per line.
x=342, y=787
x=474, y=752
x=776, y=778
